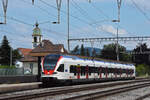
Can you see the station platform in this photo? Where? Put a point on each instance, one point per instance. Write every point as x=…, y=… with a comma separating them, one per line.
x=4, y=88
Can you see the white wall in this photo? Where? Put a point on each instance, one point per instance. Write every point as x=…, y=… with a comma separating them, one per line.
x=28, y=66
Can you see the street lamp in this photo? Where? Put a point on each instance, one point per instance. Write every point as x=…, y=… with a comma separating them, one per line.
x=115, y=20
x=55, y=22
x=2, y=23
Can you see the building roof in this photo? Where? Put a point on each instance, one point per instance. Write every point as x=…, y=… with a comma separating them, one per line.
x=24, y=51
x=25, y=55
x=47, y=47
x=29, y=58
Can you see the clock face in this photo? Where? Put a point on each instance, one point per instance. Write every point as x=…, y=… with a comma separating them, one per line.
x=34, y=45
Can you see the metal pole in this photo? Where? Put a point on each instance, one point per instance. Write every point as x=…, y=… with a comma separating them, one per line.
x=119, y=6
x=58, y=2
x=5, y=4
x=10, y=56
x=117, y=50
x=68, y=25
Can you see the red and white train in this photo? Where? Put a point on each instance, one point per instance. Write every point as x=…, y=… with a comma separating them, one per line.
x=65, y=68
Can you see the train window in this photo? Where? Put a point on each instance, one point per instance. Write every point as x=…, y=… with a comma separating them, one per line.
x=126, y=71
x=82, y=70
x=61, y=68
x=93, y=69
x=132, y=71
x=103, y=70
x=118, y=71
x=71, y=69
x=99, y=70
x=123, y=71
x=75, y=70
x=90, y=70
x=109, y=70
x=96, y=70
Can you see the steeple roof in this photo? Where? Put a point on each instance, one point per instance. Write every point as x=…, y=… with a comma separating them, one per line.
x=36, y=30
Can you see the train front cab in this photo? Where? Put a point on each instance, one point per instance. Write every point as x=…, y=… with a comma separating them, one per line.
x=49, y=65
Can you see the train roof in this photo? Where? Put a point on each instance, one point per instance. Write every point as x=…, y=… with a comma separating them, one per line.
x=77, y=57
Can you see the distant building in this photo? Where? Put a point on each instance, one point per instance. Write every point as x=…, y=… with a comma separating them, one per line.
x=29, y=62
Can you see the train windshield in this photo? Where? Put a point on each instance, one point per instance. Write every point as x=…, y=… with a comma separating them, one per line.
x=50, y=62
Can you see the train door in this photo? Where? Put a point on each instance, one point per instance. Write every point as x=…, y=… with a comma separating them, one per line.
x=87, y=72
x=78, y=71
x=66, y=71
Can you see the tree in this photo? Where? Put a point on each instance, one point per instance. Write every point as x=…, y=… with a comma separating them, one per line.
x=87, y=52
x=16, y=56
x=142, y=70
x=82, y=51
x=139, y=55
x=109, y=52
x=5, y=52
x=93, y=53
x=75, y=50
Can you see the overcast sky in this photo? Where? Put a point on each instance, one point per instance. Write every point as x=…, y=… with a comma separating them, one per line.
x=86, y=20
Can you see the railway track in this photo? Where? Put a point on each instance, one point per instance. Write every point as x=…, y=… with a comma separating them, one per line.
x=143, y=97
x=104, y=93
x=70, y=89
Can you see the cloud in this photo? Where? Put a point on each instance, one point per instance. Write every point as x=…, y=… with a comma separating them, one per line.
x=111, y=29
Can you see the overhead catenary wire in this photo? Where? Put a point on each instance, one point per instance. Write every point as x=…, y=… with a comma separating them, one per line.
x=22, y=22
x=75, y=17
x=81, y=10
x=48, y=13
x=145, y=15
x=42, y=9
x=64, y=12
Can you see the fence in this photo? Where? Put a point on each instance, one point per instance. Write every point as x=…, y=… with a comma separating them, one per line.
x=11, y=71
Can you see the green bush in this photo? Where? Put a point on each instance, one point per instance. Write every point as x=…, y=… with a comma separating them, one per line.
x=4, y=66
x=142, y=70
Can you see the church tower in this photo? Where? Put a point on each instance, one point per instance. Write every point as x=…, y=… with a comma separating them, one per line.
x=36, y=36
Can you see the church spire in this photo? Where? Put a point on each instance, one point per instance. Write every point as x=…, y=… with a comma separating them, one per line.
x=36, y=36
x=36, y=24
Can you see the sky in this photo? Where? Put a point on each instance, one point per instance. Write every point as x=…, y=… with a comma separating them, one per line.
x=87, y=20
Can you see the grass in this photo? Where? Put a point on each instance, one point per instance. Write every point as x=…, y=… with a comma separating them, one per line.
x=6, y=66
